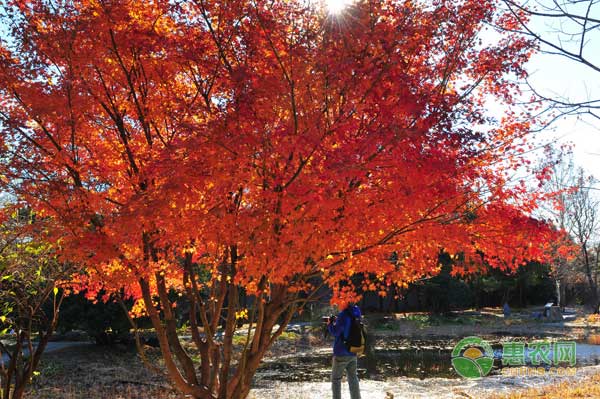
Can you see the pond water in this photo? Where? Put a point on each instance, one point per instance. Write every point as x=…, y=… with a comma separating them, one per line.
x=390, y=358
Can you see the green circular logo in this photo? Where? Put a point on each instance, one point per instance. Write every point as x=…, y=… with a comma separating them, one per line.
x=472, y=357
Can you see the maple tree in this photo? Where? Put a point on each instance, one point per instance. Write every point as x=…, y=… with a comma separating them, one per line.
x=211, y=147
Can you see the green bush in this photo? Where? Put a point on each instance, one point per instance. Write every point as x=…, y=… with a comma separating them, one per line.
x=105, y=322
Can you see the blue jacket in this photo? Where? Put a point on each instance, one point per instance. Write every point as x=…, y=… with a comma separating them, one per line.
x=341, y=328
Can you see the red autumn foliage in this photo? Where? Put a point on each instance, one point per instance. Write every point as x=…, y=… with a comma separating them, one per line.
x=268, y=146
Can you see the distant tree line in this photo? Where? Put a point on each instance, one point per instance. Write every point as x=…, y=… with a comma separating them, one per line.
x=529, y=285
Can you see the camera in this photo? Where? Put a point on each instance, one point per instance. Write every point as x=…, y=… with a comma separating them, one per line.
x=329, y=319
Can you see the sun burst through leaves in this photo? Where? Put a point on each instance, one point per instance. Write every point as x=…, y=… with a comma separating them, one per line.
x=336, y=7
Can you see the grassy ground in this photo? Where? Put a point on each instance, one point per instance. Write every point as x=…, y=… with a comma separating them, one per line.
x=113, y=372
x=116, y=372
x=585, y=388
x=97, y=372
x=488, y=323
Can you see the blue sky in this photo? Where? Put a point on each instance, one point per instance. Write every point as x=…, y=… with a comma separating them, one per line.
x=556, y=76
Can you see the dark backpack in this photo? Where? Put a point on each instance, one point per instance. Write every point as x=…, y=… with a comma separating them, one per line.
x=357, y=337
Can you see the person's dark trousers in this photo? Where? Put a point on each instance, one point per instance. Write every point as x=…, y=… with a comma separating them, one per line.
x=341, y=364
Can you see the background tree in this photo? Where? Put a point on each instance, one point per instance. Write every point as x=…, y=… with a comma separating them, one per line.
x=575, y=211
x=29, y=300
x=584, y=222
x=564, y=250
x=569, y=29
x=212, y=147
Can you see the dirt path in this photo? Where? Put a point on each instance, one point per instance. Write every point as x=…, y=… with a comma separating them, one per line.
x=50, y=347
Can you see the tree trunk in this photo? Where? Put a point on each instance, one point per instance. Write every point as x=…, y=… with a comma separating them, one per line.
x=558, y=296
x=591, y=282
x=18, y=392
x=229, y=373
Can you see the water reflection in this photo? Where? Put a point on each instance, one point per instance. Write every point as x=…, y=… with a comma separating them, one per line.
x=379, y=364
x=390, y=358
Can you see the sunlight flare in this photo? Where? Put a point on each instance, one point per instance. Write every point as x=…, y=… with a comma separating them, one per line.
x=336, y=7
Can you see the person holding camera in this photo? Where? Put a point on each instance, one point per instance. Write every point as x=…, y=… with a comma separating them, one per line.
x=343, y=359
